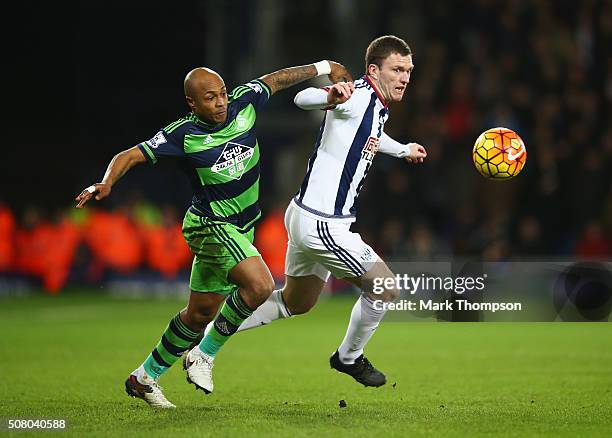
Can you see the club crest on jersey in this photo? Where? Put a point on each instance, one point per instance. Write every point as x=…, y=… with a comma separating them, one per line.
x=233, y=160
x=370, y=148
x=241, y=122
x=157, y=140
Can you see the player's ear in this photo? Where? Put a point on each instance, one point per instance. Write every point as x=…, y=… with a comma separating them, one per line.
x=190, y=102
x=373, y=70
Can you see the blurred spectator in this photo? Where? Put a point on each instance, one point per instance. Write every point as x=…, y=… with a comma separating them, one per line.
x=143, y=212
x=459, y=110
x=114, y=242
x=271, y=241
x=496, y=251
x=33, y=240
x=7, y=238
x=66, y=238
x=463, y=227
x=593, y=242
x=166, y=249
x=46, y=250
x=423, y=245
x=529, y=237
x=391, y=237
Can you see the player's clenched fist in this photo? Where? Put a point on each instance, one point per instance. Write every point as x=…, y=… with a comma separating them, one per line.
x=338, y=73
x=99, y=191
x=340, y=93
x=417, y=153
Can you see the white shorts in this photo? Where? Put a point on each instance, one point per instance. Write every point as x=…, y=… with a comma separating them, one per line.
x=318, y=246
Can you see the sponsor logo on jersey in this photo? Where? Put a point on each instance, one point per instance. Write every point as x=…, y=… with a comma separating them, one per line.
x=159, y=139
x=209, y=139
x=233, y=160
x=370, y=148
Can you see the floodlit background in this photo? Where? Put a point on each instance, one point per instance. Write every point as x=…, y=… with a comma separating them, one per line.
x=79, y=288
x=102, y=77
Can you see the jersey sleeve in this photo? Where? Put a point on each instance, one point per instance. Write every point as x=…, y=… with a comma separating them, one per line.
x=256, y=92
x=354, y=107
x=163, y=145
x=313, y=98
x=392, y=147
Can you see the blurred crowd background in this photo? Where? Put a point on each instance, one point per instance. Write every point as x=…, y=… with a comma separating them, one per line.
x=542, y=68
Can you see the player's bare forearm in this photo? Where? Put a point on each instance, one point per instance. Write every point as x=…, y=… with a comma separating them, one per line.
x=287, y=77
x=119, y=165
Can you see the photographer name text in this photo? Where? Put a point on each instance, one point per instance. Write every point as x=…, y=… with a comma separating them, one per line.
x=436, y=306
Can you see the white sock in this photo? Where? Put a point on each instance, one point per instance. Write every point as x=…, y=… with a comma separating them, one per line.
x=273, y=308
x=141, y=374
x=364, y=321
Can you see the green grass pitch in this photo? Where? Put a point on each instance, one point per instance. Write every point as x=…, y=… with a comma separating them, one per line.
x=68, y=357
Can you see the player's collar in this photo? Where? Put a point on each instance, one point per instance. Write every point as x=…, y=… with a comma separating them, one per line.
x=198, y=120
x=378, y=94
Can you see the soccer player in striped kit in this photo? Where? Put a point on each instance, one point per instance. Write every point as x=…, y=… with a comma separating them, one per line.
x=217, y=147
x=319, y=216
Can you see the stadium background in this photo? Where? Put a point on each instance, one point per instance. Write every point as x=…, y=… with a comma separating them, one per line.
x=102, y=77
x=85, y=80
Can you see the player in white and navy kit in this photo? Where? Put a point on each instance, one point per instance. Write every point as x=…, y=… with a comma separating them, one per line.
x=319, y=216
x=350, y=136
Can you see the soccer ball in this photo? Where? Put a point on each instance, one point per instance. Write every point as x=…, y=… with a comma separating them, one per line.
x=499, y=153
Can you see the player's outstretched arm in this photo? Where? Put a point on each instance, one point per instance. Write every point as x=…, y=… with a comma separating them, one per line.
x=317, y=98
x=119, y=165
x=411, y=152
x=287, y=77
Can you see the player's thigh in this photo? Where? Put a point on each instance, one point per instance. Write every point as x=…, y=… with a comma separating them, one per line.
x=305, y=279
x=373, y=283
x=225, y=259
x=340, y=250
x=301, y=293
x=299, y=262
x=251, y=274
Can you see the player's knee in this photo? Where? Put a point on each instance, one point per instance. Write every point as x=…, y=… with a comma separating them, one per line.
x=299, y=308
x=258, y=291
x=391, y=295
x=388, y=295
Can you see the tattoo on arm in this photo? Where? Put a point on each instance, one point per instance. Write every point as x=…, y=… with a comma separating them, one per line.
x=285, y=78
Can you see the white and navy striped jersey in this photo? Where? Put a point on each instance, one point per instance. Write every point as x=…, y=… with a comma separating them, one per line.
x=347, y=142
